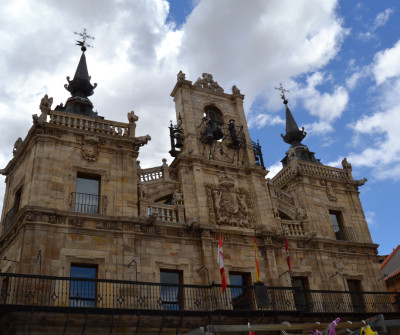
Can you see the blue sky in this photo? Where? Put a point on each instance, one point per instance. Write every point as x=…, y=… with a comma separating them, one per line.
x=340, y=61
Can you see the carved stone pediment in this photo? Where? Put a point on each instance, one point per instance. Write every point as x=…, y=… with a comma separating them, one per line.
x=229, y=205
x=207, y=82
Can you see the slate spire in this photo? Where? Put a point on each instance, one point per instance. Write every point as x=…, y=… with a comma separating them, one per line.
x=293, y=135
x=80, y=87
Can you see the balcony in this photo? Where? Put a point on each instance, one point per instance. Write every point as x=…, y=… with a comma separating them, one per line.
x=88, y=203
x=32, y=292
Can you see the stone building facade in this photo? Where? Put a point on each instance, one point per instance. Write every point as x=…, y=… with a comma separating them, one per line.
x=77, y=199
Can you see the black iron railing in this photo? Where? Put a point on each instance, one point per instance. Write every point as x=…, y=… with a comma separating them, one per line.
x=344, y=233
x=88, y=203
x=45, y=291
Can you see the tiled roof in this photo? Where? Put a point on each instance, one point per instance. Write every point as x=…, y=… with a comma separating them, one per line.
x=387, y=259
x=392, y=275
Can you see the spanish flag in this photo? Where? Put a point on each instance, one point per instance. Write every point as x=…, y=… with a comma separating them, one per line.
x=255, y=252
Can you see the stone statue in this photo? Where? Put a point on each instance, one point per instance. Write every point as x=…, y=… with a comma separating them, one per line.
x=181, y=76
x=301, y=213
x=132, y=117
x=45, y=104
x=142, y=191
x=346, y=165
x=235, y=90
x=177, y=198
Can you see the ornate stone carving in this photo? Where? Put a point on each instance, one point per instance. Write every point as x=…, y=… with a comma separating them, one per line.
x=17, y=145
x=45, y=104
x=276, y=213
x=235, y=90
x=229, y=205
x=45, y=107
x=346, y=165
x=180, y=76
x=301, y=213
x=330, y=192
x=208, y=82
x=132, y=117
x=141, y=141
x=178, y=198
x=90, y=149
x=142, y=189
x=361, y=182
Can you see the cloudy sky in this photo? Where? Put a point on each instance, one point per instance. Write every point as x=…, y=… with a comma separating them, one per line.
x=340, y=61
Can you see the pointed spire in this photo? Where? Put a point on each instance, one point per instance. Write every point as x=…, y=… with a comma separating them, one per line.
x=293, y=135
x=80, y=87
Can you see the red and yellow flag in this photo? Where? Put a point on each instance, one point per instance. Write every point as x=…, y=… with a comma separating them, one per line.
x=256, y=257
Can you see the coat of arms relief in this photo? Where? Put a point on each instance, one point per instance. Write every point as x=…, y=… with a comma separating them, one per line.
x=229, y=205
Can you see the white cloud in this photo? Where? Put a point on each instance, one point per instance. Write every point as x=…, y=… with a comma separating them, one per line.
x=382, y=18
x=274, y=169
x=262, y=120
x=387, y=64
x=370, y=218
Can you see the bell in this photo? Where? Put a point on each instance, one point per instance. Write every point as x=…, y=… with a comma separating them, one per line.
x=179, y=142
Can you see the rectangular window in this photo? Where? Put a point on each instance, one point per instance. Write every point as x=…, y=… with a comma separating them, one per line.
x=239, y=283
x=12, y=213
x=82, y=291
x=337, y=225
x=171, y=291
x=300, y=286
x=87, y=194
x=355, y=295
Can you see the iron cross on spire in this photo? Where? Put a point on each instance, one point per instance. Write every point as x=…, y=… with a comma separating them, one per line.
x=280, y=88
x=84, y=36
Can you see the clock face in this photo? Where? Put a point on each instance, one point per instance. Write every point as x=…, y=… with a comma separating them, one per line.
x=221, y=152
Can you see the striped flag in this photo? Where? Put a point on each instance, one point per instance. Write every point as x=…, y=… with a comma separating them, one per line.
x=257, y=267
x=287, y=253
x=220, y=260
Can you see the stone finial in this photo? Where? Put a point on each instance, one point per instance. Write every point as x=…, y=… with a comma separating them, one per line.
x=45, y=104
x=164, y=160
x=346, y=165
x=207, y=82
x=132, y=117
x=235, y=90
x=181, y=76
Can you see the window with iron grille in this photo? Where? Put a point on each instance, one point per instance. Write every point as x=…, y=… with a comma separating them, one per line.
x=87, y=195
x=82, y=292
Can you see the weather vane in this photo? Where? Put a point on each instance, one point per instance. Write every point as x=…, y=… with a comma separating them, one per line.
x=84, y=36
x=280, y=88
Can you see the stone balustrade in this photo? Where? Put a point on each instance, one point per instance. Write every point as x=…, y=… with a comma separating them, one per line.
x=153, y=173
x=97, y=125
x=167, y=213
x=293, y=228
x=299, y=167
x=284, y=196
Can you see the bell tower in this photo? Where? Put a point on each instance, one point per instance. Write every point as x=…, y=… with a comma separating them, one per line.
x=215, y=159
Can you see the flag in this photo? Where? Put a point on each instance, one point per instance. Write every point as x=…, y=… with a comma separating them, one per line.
x=220, y=260
x=257, y=268
x=287, y=253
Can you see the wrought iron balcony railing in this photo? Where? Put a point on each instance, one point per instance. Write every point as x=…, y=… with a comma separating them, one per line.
x=88, y=203
x=31, y=291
